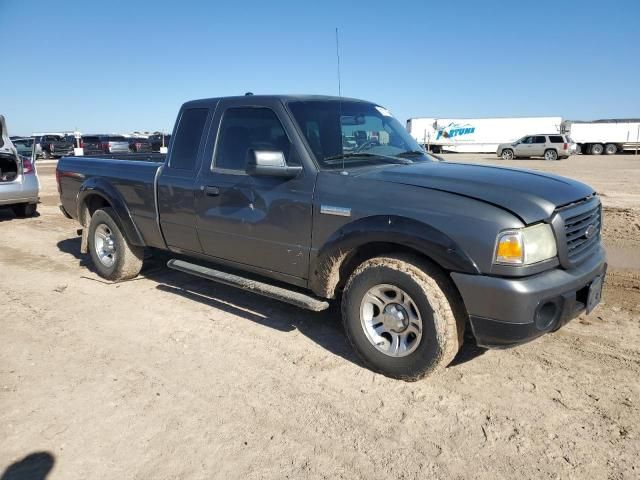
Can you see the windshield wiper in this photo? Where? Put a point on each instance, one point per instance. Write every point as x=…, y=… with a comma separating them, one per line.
x=377, y=156
x=410, y=152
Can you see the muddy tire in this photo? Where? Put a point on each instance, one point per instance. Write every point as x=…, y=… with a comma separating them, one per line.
x=403, y=316
x=24, y=210
x=113, y=257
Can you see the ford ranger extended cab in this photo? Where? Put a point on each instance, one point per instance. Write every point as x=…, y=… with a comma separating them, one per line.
x=308, y=199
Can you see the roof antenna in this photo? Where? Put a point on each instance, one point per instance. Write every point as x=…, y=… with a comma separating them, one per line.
x=340, y=101
x=338, y=56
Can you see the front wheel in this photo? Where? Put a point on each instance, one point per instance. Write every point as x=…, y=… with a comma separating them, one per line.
x=550, y=155
x=507, y=154
x=113, y=257
x=402, y=316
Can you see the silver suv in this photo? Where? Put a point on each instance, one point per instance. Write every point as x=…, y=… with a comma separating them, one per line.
x=550, y=146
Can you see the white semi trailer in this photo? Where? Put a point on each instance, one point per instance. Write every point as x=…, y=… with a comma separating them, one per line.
x=604, y=136
x=481, y=135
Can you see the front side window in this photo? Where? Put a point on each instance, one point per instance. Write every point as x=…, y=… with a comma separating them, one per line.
x=188, y=137
x=344, y=134
x=245, y=129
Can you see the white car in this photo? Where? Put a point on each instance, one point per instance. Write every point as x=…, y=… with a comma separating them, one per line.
x=19, y=184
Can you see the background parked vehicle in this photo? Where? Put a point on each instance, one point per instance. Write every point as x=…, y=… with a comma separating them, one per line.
x=54, y=146
x=99, y=144
x=158, y=141
x=19, y=185
x=91, y=144
x=24, y=146
x=479, y=135
x=604, y=136
x=549, y=146
x=139, y=145
x=116, y=144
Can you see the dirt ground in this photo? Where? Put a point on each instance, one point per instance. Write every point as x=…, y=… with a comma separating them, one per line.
x=168, y=376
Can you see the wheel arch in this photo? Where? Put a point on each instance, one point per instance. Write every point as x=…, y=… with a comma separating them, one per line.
x=96, y=193
x=368, y=237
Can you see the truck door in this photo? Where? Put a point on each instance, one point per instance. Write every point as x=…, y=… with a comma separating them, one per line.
x=177, y=182
x=261, y=221
x=524, y=148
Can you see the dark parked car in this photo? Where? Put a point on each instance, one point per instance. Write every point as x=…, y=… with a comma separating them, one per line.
x=139, y=145
x=92, y=144
x=54, y=146
x=419, y=252
x=158, y=141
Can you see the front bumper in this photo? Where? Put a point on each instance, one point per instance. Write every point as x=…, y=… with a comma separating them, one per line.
x=509, y=311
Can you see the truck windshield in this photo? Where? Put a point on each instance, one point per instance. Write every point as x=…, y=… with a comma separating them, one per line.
x=354, y=134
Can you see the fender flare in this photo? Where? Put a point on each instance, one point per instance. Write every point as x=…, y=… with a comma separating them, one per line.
x=102, y=188
x=324, y=272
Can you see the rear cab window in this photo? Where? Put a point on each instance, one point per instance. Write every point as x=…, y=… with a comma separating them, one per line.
x=188, y=137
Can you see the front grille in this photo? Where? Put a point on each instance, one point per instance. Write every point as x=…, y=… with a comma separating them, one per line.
x=582, y=233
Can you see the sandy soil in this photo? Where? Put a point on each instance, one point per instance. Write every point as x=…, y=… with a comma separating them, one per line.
x=168, y=376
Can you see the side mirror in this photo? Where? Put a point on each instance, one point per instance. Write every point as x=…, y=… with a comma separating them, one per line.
x=270, y=164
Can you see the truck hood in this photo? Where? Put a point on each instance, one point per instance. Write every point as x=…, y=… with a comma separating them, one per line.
x=532, y=196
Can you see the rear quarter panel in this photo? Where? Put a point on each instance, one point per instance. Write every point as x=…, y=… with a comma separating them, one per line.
x=133, y=181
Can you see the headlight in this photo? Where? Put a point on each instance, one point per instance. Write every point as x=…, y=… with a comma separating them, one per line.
x=525, y=246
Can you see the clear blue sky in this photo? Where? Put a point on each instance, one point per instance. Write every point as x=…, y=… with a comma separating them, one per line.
x=121, y=66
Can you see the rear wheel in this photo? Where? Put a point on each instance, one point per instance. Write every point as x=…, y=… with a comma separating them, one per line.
x=550, y=155
x=507, y=154
x=113, y=257
x=610, y=148
x=597, y=149
x=398, y=313
x=24, y=210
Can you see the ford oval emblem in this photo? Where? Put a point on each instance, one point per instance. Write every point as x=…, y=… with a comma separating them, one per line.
x=590, y=231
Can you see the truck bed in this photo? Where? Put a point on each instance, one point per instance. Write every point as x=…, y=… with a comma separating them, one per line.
x=132, y=176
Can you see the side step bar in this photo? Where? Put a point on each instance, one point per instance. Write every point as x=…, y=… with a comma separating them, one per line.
x=278, y=293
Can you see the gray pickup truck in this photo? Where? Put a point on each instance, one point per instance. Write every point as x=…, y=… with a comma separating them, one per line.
x=308, y=199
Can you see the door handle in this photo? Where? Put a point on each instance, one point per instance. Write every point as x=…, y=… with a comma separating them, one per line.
x=211, y=191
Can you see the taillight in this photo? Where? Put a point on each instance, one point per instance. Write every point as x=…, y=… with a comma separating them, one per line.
x=27, y=167
x=566, y=146
x=58, y=180
x=105, y=147
x=81, y=143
